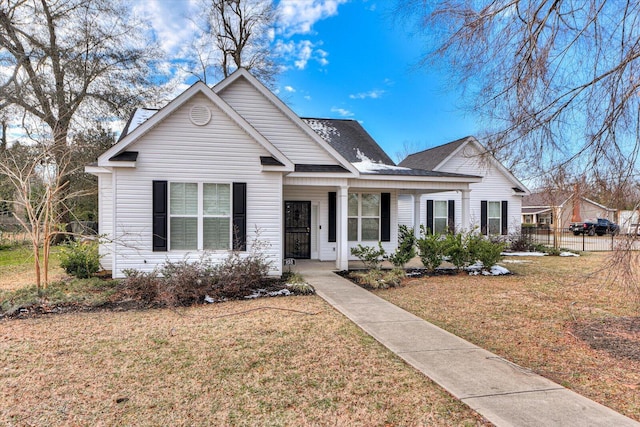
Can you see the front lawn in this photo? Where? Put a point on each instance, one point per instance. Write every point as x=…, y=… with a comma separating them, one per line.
x=270, y=361
x=545, y=317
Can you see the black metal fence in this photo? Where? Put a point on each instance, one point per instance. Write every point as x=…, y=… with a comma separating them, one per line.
x=565, y=239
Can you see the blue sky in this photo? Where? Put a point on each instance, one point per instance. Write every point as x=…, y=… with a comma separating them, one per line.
x=371, y=76
x=349, y=59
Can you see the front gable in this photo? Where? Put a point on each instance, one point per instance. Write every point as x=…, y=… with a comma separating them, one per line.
x=281, y=126
x=471, y=155
x=196, y=113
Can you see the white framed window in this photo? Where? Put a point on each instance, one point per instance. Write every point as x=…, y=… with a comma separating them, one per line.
x=494, y=217
x=440, y=217
x=199, y=216
x=363, y=217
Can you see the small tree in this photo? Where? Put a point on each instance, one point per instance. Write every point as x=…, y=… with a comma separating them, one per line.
x=39, y=193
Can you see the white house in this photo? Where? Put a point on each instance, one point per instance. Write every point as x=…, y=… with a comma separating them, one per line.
x=494, y=202
x=216, y=164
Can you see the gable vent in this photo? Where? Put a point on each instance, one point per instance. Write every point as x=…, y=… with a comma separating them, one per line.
x=200, y=115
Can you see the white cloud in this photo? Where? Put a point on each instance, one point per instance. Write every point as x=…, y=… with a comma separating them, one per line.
x=304, y=53
x=342, y=112
x=299, y=16
x=300, y=53
x=307, y=97
x=289, y=89
x=168, y=18
x=373, y=94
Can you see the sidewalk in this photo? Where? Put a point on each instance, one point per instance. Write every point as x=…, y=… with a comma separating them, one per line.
x=501, y=391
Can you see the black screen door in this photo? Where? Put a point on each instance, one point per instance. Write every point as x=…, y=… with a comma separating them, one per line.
x=297, y=230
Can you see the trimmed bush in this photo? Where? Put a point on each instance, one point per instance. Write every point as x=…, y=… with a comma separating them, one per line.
x=487, y=252
x=430, y=249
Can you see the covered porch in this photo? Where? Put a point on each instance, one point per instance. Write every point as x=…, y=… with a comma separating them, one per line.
x=325, y=218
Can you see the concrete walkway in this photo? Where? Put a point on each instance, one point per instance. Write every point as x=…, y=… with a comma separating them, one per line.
x=502, y=392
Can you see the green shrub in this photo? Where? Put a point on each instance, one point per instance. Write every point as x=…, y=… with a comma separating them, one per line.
x=80, y=259
x=370, y=256
x=406, y=247
x=430, y=249
x=488, y=252
x=457, y=249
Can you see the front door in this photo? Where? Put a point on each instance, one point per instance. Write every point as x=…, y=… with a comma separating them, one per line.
x=297, y=230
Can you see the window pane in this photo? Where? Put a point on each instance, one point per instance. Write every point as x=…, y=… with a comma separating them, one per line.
x=184, y=198
x=216, y=233
x=370, y=229
x=494, y=226
x=440, y=225
x=217, y=199
x=184, y=233
x=370, y=205
x=440, y=209
x=352, y=226
x=494, y=209
x=353, y=205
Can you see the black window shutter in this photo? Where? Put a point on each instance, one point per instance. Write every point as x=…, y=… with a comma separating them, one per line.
x=239, y=216
x=483, y=217
x=159, y=216
x=505, y=222
x=332, y=216
x=451, y=216
x=385, y=217
x=429, y=217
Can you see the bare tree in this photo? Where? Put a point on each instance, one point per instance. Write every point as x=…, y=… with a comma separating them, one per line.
x=556, y=79
x=39, y=195
x=66, y=60
x=234, y=34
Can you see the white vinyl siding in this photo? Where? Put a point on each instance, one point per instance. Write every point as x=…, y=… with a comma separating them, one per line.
x=271, y=122
x=178, y=151
x=105, y=219
x=494, y=186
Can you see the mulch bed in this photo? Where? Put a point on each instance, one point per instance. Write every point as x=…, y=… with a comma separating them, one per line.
x=618, y=336
x=120, y=302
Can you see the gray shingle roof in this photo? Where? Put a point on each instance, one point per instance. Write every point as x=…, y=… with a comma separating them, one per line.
x=429, y=159
x=349, y=139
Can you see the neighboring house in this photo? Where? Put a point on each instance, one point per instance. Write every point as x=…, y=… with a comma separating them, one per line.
x=215, y=165
x=543, y=208
x=495, y=201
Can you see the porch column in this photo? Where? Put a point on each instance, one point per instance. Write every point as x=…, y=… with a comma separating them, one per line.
x=466, y=211
x=416, y=214
x=342, y=239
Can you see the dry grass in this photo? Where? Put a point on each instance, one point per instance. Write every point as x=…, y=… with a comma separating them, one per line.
x=531, y=317
x=16, y=268
x=206, y=366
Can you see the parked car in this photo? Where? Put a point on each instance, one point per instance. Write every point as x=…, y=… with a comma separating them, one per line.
x=599, y=226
